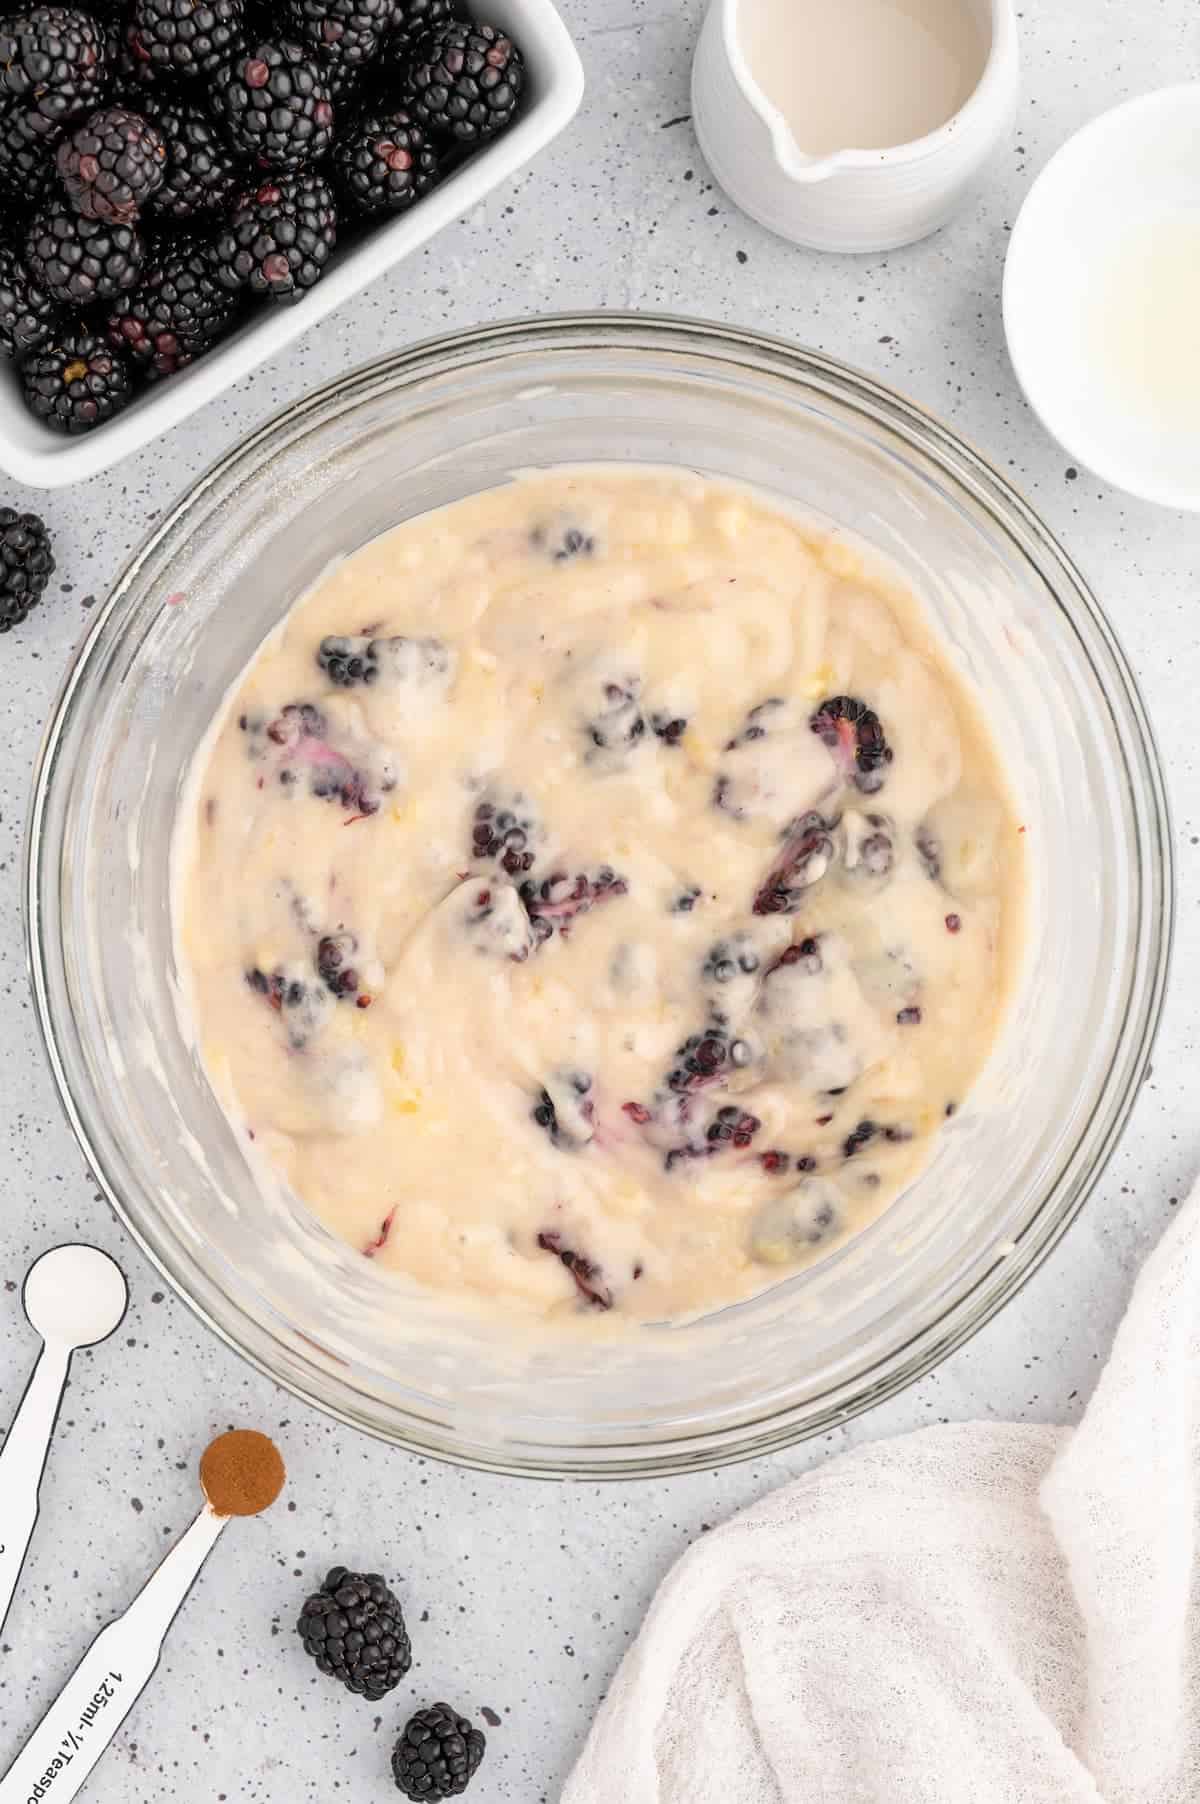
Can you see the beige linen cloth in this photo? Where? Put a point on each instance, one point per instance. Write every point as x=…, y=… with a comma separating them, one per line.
x=965, y=1615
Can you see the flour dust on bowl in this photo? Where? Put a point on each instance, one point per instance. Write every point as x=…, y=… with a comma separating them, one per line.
x=425, y=430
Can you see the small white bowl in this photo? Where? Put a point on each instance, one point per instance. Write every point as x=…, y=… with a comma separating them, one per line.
x=33, y=454
x=1102, y=281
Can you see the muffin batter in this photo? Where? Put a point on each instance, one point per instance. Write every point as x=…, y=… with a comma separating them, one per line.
x=596, y=895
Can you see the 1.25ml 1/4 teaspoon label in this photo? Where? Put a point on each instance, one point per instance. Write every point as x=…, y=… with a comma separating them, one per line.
x=73, y=1741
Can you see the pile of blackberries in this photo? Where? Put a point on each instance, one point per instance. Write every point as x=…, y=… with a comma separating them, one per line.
x=164, y=162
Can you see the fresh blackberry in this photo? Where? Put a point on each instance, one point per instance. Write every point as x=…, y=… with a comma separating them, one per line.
x=852, y=732
x=27, y=143
x=466, y=80
x=278, y=238
x=177, y=311
x=353, y=29
x=343, y=79
x=273, y=105
x=76, y=383
x=82, y=260
x=188, y=37
x=133, y=79
x=202, y=172
x=411, y=19
x=26, y=565
x=354, y=1629
x=437, y=1755
x=385, y=163
x=29, y=317
x=111, y=165
x=52, y=61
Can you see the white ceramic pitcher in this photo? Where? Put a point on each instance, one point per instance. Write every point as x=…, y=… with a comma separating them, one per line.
x=853, y=200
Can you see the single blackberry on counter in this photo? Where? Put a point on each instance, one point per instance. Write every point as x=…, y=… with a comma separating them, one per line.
x=411, y=19
x=466, y=80
x=188, y=37
x=177, y=311
x=29, y=317
x=385, y=162
x=52, y=61
x=273, y=105
x=111, y=165
x=202, y=172
x=76, y=383
x=354, y=1629
x=353, y=29
x=438, y=1754
x=278, y=238
x=27, y=142
x=82, y=260
x=26, y=565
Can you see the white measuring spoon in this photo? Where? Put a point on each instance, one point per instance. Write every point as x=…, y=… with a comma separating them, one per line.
x=96, y=1699
x=74, y=1296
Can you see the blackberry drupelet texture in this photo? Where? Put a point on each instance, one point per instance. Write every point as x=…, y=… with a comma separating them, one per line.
x=52, y=61
x=29, y=316
x=437, y=1755
x=202, y=173
x=385, y=163
x=79, y=261
x=27, y=143
x=26, y=565
x=274, y=106
x=188, y=37
x=852, y=732
x=411, y=19
x=76, y=383
x=177, y=311
x=111, y=165
x=466, y=80
x=353, y=1627
x=133, y=79
x=279, y=237
x=352, y=30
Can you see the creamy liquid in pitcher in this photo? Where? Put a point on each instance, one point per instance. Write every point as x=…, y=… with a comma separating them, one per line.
x=863, y=74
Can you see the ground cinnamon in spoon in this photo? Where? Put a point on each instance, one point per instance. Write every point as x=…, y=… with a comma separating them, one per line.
x=241, y=1472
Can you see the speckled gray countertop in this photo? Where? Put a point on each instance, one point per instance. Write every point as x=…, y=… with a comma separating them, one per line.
x=525, y=1596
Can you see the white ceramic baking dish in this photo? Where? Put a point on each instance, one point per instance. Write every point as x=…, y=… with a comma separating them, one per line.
x=32, y=453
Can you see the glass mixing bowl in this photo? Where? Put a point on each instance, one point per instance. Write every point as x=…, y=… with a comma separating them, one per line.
x=425, y=428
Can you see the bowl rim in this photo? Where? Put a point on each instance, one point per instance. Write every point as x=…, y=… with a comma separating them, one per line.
x=971, y=1307
x=1021, y=290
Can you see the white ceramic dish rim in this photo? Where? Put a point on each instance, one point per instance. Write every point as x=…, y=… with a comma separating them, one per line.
x=1020, y=270
x=43, y=459
x=803, y=168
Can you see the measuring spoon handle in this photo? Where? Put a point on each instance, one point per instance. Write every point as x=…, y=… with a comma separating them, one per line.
x=22, y=1462
x=80, y=1724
